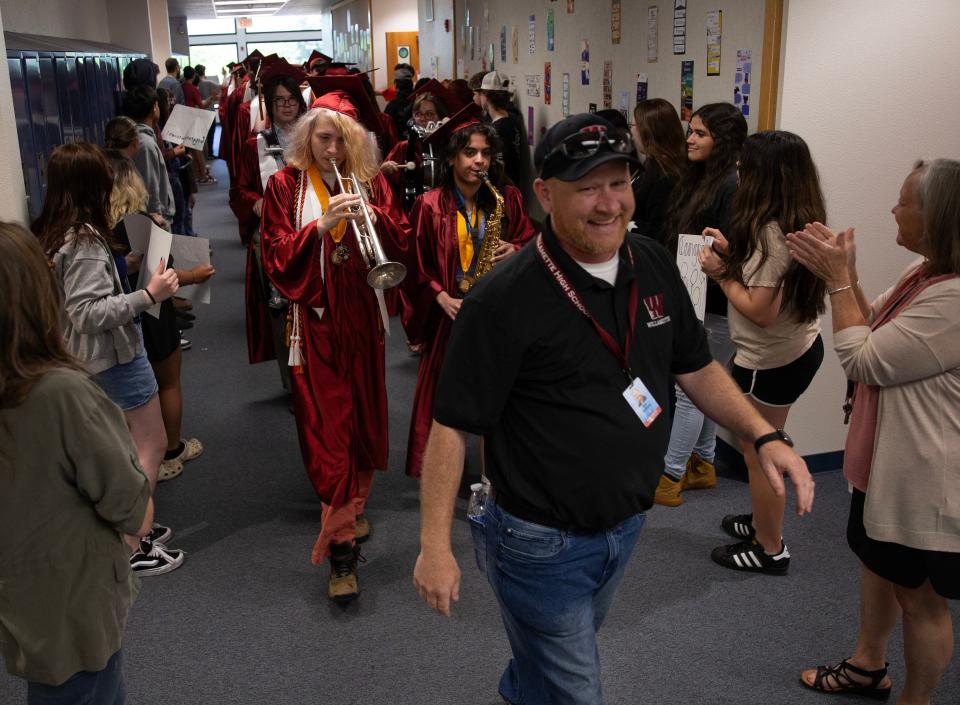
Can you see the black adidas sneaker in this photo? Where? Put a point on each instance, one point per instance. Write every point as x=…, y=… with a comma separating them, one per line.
x=739, y=526
x=749, y=555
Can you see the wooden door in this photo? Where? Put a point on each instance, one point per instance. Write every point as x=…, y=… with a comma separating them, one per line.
x=402, y=48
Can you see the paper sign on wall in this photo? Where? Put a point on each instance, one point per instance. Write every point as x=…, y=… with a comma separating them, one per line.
x=615, y=21
x=550, y=39
x=533, y=85
x=530, y=125
x=532, y=33
x=688, y=262
x=653, y=37
x=686, y=90
x=680, y=26
x=584, y=62
x=642, y=83
x=565, y=95
x=741, y=81
x=714, y=29
x=607, y=84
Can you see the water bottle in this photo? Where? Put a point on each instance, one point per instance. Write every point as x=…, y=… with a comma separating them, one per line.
x=478, y=496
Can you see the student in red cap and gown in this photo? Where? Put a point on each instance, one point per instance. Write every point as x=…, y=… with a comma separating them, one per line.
x=337, y=319
x=450, y=223
x=262, y=156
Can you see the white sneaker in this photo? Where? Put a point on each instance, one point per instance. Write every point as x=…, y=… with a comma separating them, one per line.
x=155, y=559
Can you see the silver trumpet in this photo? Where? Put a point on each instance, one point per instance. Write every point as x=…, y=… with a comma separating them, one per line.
x=383, y=273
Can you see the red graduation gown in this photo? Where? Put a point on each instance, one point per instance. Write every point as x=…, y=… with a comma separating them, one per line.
x=340, y=399
x=246, y=191
x=229, y=110
x=434, y=219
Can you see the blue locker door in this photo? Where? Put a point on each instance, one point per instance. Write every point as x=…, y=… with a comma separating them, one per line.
x=64, y=98
x=51, y=107
x=42, y=149
x=21, y=111
x=72, y=65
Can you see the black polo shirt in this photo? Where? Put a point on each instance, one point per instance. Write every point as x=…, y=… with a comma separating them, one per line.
x=525, y=369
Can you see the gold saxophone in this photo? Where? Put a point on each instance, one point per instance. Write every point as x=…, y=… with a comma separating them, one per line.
x=491, y=238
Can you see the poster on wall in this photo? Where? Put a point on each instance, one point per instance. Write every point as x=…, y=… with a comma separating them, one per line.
x=532, y=33
x=714, y=30
x=569, y=7
x=584, y=62
x=625, y=105
x=530, y=125
x=686, y=90
x=503, y=44
x=642, y=83
x=533, y=85
x=550, y=43
x=615, y=21
x=653, y=38
x=679, y=26
x=607, y=84
x=741, y=81
x=515, y=43
x=434, y=66
x=565, y=95
x=491, y=54
x=547, y=82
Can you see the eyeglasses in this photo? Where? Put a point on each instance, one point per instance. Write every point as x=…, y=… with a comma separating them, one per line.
x=587, y=143
x=285, y=102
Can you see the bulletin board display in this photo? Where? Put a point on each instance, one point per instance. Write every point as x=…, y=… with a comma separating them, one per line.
x=570, y=56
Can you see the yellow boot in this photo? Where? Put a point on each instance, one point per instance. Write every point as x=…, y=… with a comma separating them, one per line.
x=343, y=586
x=668, y=492
x=700, y=475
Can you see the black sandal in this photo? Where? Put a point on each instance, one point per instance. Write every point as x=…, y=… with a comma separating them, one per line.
x=845, y=683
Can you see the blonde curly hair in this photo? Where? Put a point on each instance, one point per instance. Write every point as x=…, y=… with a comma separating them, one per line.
x=363, y=158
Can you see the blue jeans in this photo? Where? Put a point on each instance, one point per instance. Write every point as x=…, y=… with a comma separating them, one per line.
x=103, y=687
x=692, y=431
x=554, y=588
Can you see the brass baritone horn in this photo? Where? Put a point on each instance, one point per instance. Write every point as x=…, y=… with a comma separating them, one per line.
x=383, y=273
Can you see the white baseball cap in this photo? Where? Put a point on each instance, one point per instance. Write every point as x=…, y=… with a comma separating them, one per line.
x=495, y=81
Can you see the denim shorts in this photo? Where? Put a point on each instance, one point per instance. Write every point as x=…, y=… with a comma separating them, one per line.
x=131, y=384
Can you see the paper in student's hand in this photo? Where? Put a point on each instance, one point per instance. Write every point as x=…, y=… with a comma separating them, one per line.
x=156, y=249
x=688, y=262
x=189, y=252
x=138, y=231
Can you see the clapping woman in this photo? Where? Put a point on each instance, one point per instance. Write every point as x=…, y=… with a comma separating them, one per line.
x=903, y=353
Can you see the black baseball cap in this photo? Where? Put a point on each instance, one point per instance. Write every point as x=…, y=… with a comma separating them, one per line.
x=552, y=163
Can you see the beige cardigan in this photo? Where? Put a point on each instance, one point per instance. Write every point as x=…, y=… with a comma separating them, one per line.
x=913, y=497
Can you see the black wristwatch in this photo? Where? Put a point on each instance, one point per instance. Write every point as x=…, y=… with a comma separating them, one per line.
x=778, y=435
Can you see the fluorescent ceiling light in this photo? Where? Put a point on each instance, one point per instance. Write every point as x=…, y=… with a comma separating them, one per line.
x=249, y=2
x=241, y=13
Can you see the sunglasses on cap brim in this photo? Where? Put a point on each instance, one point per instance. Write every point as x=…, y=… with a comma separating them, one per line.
x=588, y=142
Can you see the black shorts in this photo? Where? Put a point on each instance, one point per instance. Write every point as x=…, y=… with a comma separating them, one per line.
x=902, y=565
x=781, y=386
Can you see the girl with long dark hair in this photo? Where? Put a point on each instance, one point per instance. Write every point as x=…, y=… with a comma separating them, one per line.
x=99, y=319
x=703, y=199
x=451, y=223
x=658, y=134
x=774, y=306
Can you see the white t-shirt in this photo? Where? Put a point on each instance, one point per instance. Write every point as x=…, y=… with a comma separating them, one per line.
x=607, y=271
x=786, y=339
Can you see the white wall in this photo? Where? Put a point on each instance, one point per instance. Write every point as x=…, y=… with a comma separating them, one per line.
x=871, y=86
x=79, y=19
x=129, y=25
x=389, y=16
x=160, y=49
x=435, y=41
x=13, y=197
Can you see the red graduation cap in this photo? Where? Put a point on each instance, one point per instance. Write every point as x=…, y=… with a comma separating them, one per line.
x=273, y=69
x=316, y=56
x=451, y=103
x=346, y=95
x=253, y=58
x=467, y=116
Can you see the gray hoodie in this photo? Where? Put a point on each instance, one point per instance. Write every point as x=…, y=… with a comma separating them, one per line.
x=153, y=171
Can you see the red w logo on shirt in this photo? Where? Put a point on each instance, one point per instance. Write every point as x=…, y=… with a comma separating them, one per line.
x=654, y=306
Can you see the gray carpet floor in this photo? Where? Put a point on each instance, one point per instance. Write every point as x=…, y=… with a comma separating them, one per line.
x=246, y=619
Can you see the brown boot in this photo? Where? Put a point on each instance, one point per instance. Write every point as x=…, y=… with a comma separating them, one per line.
x=668, y=492
x=700, y=475
x=343, y=586
x=363, y=528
